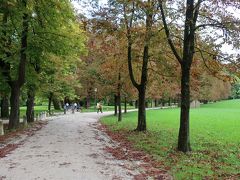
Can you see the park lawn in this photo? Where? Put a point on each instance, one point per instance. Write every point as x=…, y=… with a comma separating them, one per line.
x=37, y=110
x=42, y=108
x=215, y=139
x=105, y=108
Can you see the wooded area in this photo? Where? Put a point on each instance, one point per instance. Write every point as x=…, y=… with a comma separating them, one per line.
x=133, y=51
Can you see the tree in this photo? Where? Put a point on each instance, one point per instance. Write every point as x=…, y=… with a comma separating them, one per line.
x=45, y=32
x=192, y=12
x=4, y=95
x=106, y=66
x=17, y=83
x=129, y=12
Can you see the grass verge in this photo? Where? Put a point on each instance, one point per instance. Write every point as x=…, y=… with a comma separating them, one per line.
x=215, y=132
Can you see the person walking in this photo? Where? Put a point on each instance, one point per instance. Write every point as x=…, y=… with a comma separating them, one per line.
x=99, y=107
x=65, y=108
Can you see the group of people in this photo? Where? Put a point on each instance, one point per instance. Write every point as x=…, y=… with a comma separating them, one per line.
x=73, y=107
x=77, y=107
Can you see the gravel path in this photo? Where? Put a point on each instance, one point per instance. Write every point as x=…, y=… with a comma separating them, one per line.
x=69, y=147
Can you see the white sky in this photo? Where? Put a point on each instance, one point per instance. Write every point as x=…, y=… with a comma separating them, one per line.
x=81, y=7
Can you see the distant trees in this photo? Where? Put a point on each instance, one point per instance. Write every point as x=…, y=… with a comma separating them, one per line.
x=236, y=90
x=197, y=51
x=106, y=68
x=144, y=26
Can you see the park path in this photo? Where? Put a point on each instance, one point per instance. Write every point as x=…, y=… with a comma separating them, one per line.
x=69, y=147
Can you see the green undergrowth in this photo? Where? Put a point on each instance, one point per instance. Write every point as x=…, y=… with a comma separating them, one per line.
x=215, y=140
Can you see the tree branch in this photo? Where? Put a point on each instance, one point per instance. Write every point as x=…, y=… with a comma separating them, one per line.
x=129, y=38
x=168, y=33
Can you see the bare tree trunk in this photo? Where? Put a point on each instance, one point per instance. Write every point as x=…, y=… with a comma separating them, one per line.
x=119, y=108
x=30, y=105
x=141, y=111
x=136, y=104
x=50, y=102
x=5, y=107
x=119, y=98
x=87, y=102
x=14, y=102
x=115, y=104
x=125, y=104
x=16, y=85
x=183, y=137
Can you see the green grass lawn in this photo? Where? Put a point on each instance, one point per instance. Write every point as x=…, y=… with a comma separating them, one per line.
x=105, y=108
x=215, y=139
x=37, y=109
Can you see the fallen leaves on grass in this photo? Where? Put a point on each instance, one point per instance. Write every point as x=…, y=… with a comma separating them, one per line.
x=126, y=151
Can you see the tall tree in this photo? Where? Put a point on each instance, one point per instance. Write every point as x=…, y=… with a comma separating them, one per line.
x=17, y=83
x=129, y=15
x=46, y=32
x=185, y=57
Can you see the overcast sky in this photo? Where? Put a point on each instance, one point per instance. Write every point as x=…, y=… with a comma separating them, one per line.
x=81, y=7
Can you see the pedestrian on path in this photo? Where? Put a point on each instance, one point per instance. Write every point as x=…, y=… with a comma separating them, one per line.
x=99, y=107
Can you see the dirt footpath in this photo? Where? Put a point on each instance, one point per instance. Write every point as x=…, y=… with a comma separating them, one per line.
x=69, y=147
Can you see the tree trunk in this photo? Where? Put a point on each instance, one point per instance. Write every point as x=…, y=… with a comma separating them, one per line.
x=163, y=102
x=169, y=101
x=56, y=103
x=141, y=111
x=119, y=98
x=50, y=102
x=14, y=112
x=87, y=102
x=125, y=104
x=191, y=16
x=4, y=107
x=183, y=137
x=130, y=103
x=144, y=72
x=30, y=105
x=115, y=104
x=155, y=101
x=146, y=104
x=119, y=107
x=16, y=85
x=136, y=104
